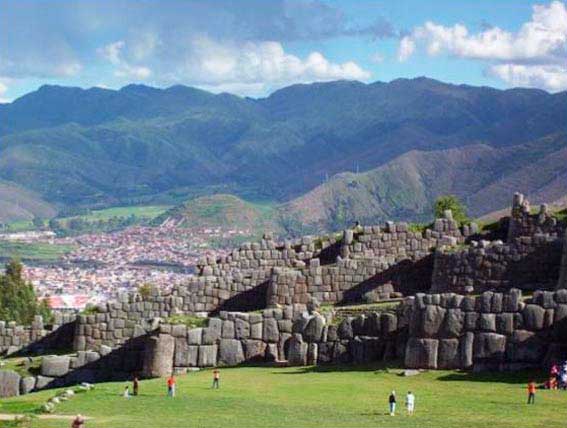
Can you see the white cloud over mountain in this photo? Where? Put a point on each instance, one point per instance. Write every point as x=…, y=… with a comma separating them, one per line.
x=535, y=55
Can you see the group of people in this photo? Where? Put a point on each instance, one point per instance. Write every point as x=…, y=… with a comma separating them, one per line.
x=170, y=385
x=410, y=403
x=557, y=376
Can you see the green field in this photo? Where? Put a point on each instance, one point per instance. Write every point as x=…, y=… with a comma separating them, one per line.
x=36, y=251
x=312, y=397
x=142, y=211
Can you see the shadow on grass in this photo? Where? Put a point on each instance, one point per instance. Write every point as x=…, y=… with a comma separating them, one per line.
x=384, y=367
x=519, y=377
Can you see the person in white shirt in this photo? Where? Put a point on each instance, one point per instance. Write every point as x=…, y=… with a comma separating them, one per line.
x=410, y=403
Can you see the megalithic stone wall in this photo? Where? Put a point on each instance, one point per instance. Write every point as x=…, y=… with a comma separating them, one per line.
x=524, y=223
x=492, y=331
x=562, y=283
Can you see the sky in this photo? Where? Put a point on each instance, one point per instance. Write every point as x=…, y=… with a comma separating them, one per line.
x=253, y=47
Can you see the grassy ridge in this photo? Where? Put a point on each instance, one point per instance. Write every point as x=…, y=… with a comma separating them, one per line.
x=307, y=397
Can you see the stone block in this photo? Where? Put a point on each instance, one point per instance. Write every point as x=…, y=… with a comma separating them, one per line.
x=230, y=352
x=489, y=346
x=158, y=356
x=9, y=383
x=254, y=350
x=195, y=336
x=421, y=353
x=55, y=365
x=208, y=355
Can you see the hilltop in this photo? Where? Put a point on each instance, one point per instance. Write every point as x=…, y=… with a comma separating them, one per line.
x=97, y=147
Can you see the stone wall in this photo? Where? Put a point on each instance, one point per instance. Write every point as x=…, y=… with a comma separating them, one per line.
x=528, y=262
x=375, y=263
x=562, y=283
x=16, y=338
x=524, y=223
x=491, y=331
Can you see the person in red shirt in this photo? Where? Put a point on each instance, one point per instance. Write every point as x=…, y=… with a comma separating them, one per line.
x=216, y=378
x=531, y=392
x=171, y=386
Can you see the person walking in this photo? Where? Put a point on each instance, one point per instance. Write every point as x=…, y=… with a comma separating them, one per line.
x=135, y=386
x=216, y=379
x=531, y=392
x=392, y=403
x=171, y=386
x=410, y=403
x=127, y=392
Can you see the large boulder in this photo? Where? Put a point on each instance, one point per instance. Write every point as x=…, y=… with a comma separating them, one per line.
x=241, y=329
x=270, y=333
x=345, y=331
x=55, y=365
x=230, y=352
x=421, y=353
x=27, y=384
x=9, y=383
x=365, y=349
x=185, y=355
x=449, y=356
x=524, y=346
x=297, y=351
x=427, y=322
x=254, y=350
x=195, y=336
x=533, y=317
x=158, y=356
x=489, y=346
x=314, y=329
x=453, y=323
x=208, y=355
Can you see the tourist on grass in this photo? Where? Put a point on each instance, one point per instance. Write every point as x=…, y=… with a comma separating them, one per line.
x=78, y=422
x=171, y=386
x=216, y=378
x=392, y=402
x=410, y=403
x=135, y=386
x=531, y=392
x=127, y=392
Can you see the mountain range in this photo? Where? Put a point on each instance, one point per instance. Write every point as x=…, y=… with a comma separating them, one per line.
x=325, y=153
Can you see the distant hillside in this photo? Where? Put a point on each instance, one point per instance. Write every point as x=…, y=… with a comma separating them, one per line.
x=483, y=177
x=222, y=211
x=141, y=145
x=17, y=203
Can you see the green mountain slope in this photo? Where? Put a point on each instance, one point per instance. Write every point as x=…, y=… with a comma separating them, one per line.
x=98, y=147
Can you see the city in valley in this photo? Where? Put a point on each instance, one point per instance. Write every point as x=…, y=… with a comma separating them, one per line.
x=101, y=265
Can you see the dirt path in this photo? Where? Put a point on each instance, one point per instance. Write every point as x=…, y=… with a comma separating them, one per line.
x=12, y=416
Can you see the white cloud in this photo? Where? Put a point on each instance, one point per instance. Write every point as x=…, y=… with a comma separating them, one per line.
x=259, y=65
x=3, y=90
x=553, y=78
x=113, y=53
x=536, y=53
x=376, y=58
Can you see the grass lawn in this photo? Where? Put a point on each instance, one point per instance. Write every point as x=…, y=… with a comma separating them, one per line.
x=40, y=251
x=306, y=397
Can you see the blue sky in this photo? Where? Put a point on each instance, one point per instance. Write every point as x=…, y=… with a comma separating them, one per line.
x=252, y=47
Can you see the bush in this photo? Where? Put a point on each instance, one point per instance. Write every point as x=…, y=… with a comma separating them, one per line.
x=451, y=202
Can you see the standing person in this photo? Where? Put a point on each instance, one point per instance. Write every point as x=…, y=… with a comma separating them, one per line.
x=392, y=402
x=78, y=422
x=216, y=378
x=135, y=386
x=531, y=392
x=127, y=392
x=410, y=403
x=171, y=386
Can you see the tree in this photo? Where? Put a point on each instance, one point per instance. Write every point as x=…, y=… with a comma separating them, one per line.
x=451, y=202
x=18, y=301
x=38, y=223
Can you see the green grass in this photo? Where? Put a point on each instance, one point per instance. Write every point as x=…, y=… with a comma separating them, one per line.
x=143, y=211
x=35, y=251
x=293, y=397
x=188, y=320
x=21, y=366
